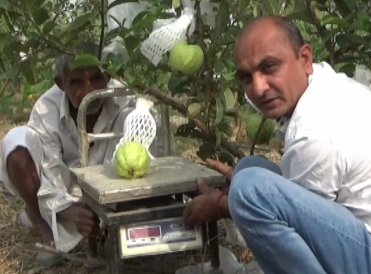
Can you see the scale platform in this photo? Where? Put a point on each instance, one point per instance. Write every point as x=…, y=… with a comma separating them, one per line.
x=167, y=176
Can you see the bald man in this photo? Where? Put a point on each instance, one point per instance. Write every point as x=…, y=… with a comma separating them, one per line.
x=311, y=214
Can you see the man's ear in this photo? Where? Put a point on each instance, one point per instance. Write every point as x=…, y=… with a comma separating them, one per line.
x=58, y=81
x=306, y=56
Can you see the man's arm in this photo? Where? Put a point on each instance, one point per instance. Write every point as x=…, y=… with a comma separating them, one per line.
x=56, y=204
x=315, y=164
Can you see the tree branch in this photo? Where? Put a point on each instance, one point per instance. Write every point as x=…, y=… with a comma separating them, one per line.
x=174, y=103
x=102, y=31
x=2, y=91
x=208, y=64
x=2, y=65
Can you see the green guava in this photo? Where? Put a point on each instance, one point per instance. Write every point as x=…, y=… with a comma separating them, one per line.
x=185, y=58
x=132, y=160
x=252, y=125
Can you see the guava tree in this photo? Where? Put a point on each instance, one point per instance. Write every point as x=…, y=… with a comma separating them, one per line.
x=33, y=31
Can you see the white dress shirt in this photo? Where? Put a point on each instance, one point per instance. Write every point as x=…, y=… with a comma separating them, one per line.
x=328, y=141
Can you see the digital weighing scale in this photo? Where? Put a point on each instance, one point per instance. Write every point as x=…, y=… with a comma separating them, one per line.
x=158, y=237
x=143, y=217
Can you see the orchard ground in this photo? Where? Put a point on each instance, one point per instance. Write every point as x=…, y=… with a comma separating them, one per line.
x=17, y=244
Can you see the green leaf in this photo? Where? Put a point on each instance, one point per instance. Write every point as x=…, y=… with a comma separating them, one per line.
x=226, y=158
x=48, y=27
x=6, y=21
x=83, y=60
x=41, y=87
x=40, y=15
x=219, y=67
x=12, y=73
x=132, y=42
x=115, y=19
x=27, y=89
x=343, y=40
x=298, y=10
x=3, y=4
x=332, y=20
x=345, y=7
x=349, y=38
x=29, y=71
x=268, y=7
x=222, y=18
x=177, y=84
x=243, y=4
x=146, y=21
x=79, y=22
x=348, y=69
x=115, y=63
x=4, y=40
x=205, y=151
x=131, y=78
x=329, y=34
x=228, y=99
x=119, y=2
x=32, y=3
x=140, y=16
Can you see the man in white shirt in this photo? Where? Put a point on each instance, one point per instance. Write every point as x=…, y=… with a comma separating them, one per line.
x=35, y=158
x=311, y=214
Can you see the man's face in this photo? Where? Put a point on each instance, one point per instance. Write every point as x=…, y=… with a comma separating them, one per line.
x=83, y=81
x=272, y=76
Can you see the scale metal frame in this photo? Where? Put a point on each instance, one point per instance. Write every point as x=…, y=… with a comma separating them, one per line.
x=128, y=206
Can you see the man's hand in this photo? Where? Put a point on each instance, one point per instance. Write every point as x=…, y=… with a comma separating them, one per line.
x=203, y=208
x=221, y=167
x=87, y=222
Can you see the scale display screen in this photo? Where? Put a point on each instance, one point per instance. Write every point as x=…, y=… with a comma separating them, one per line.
x=160, y=236
x=144, y=232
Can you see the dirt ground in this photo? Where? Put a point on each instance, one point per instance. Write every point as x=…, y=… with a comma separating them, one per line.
x=17, y=244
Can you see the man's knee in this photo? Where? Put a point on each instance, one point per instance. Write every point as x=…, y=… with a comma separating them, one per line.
x=256, y=161
x=250, y=186
x=15, y=149
x=19, y=159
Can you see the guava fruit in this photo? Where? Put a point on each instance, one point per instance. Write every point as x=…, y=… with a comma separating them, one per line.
x=185, y=58
x=132, y=160
x=252, y=125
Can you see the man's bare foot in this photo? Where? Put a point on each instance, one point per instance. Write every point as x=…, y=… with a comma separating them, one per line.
x=44, y=258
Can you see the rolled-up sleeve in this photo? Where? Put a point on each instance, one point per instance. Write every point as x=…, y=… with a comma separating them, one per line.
x=315, y=164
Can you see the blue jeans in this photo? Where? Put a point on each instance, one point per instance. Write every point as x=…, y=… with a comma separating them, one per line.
x=292, y=230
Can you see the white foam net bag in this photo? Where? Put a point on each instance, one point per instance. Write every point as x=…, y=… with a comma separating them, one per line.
x=139, y=126
x=166, y=33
